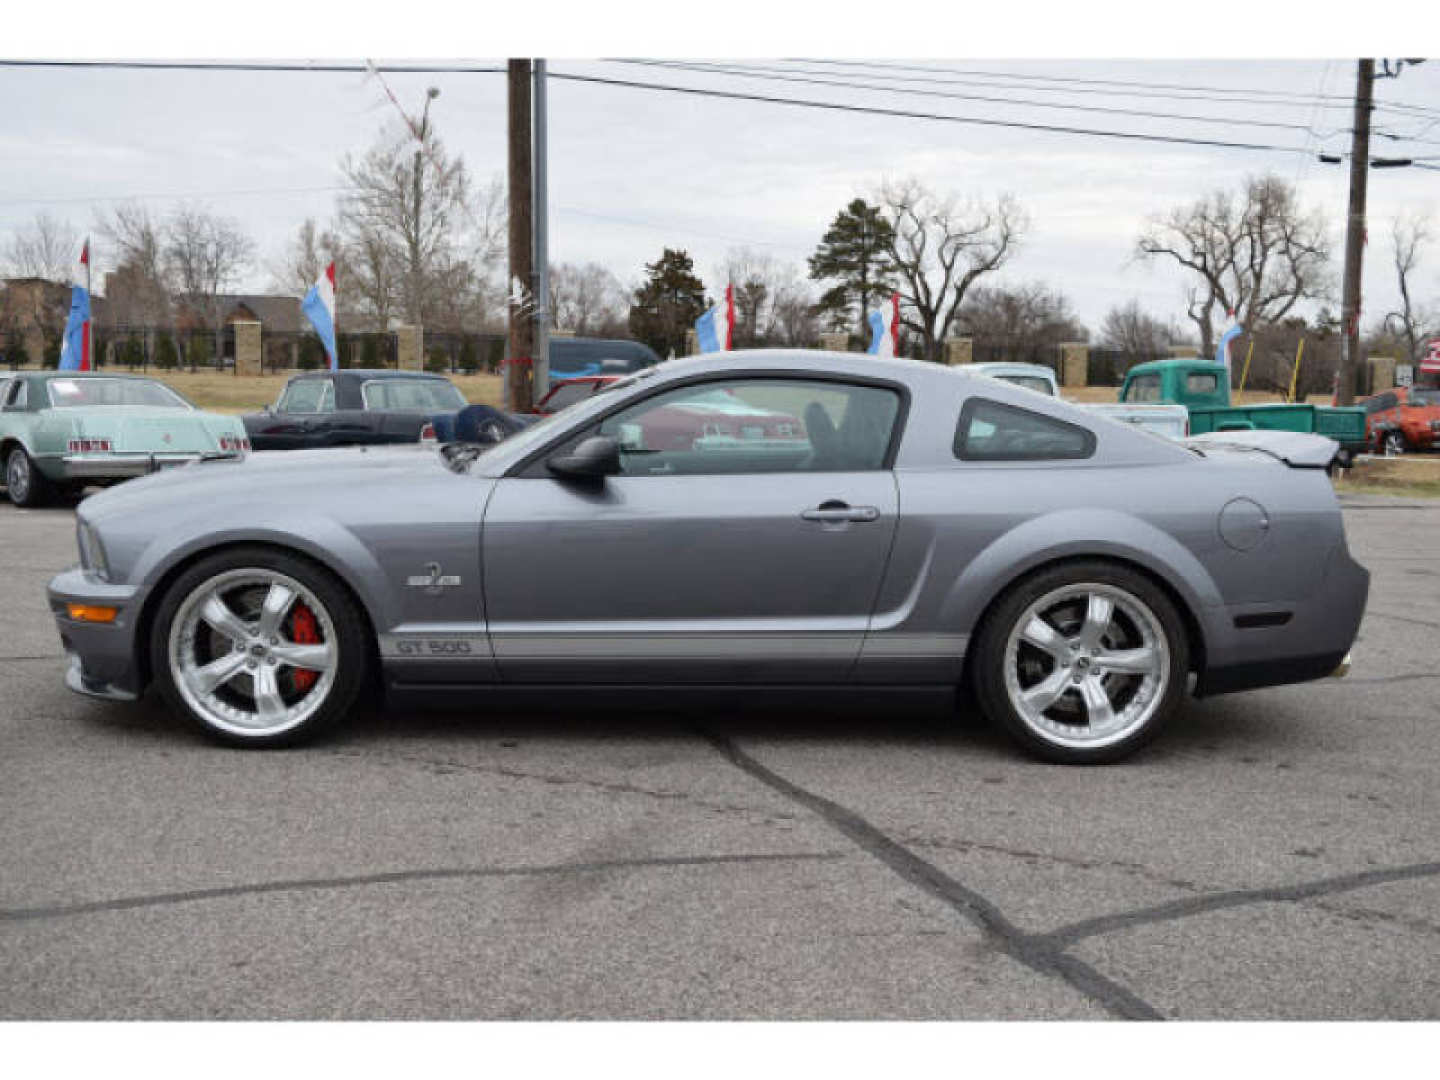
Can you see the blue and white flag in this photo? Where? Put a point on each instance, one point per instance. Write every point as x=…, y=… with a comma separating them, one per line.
x=1222, y=352
x=885, y=328
x=319, y=308
x=715, y=329
x=75, y=346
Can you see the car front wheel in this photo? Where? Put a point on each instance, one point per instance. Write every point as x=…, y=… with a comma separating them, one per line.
x=1082, y=663
x=259, y=648
x=1394, y=443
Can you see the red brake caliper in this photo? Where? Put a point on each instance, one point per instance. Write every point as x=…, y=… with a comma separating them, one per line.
x=304, y=630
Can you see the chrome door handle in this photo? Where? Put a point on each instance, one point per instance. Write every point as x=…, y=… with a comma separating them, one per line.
x=830, y=512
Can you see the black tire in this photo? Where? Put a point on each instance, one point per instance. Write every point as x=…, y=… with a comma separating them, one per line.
x=352, y=640
x=35, y=489
x=988, y=666
x=1393, y=443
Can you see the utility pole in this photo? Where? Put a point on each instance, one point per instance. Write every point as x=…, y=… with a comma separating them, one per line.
x=542, y=239
x=1355, y=234
x=518, y=385
x=416, y=285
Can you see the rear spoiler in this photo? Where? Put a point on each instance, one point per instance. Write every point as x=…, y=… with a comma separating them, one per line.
x=1298, y=449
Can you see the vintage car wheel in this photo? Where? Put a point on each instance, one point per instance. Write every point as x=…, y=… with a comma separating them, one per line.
x=1083, y=663
x=258, y=647
x=1393, y=444
x=26, y=485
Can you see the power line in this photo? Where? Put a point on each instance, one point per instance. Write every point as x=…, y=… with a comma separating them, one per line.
x=750, y=72
x=1297, y=98
x=236, y=65
x=169, y=195
x=907, y=114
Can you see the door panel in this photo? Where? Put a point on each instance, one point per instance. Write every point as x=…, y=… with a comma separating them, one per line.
x=686, y=578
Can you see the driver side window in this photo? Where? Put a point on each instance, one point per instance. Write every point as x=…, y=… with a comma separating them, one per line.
x=308, y=396
x=756, y=425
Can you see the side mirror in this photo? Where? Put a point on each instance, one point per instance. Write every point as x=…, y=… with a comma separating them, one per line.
x=595, y=457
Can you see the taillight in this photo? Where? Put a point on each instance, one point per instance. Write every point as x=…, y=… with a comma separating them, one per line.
x=427, y=433
x=89, y=446
x=234, y=443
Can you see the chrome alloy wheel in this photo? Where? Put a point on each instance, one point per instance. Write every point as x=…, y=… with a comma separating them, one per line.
x=17, y=476
x=1086, y=665
x=235, y=658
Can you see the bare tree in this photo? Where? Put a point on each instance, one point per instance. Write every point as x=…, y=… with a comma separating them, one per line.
x=587, y=300
x=1255, y=252
x=45, y=248
x=1140, y=336
x=771, y=298
x=941, y=246
x=204, y=253
x=402, y=223
x=1025, y=321
x=1412, y=325
x=136, y=293
x=310, y=251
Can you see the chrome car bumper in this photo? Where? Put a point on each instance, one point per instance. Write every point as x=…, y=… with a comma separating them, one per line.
x=107, y=466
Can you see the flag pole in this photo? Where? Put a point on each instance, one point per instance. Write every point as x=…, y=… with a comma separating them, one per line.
x=89, y=358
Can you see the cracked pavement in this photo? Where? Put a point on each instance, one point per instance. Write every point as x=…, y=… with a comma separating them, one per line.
x=1274, y=856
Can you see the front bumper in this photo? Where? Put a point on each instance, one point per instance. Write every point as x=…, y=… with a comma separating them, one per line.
x=104, y=657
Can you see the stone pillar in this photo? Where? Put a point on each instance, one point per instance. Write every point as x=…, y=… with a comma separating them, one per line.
x=1382, y=373
x=409, y=348
x=1184, y=351
x=692, y=343
x=247, y=348
x=835, y=341
x=959, y=350
x=1075, y=363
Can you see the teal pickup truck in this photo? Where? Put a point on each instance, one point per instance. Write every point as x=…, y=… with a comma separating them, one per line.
x=1204, y=388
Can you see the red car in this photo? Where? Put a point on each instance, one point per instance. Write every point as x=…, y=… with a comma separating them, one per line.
x=1405, y=418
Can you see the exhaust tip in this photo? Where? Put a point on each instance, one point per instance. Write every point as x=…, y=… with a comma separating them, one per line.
x=1342, y=669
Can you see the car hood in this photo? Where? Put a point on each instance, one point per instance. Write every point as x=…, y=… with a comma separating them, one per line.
x=265, y=474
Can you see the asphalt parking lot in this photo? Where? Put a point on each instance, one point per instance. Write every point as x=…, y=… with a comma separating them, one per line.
x=1275, y=856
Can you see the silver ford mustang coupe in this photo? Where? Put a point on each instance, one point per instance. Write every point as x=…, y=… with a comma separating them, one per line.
x=757, y=521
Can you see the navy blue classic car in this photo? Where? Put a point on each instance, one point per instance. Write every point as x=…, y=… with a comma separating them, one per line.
x=361, y=406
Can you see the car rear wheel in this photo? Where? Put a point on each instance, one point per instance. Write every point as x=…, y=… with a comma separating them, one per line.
x=1394, y=443
x=259, y=648
x=25, y=483
x=1083, y=663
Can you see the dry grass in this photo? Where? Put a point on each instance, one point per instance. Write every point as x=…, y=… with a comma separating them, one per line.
x=1416, y=477
x=234, y=394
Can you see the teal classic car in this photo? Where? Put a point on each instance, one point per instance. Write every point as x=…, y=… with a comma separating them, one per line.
x=61, y=430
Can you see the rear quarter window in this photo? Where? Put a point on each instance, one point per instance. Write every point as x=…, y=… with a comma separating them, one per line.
x=992, y=431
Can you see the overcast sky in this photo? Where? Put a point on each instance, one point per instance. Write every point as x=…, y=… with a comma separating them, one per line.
x=632, y=171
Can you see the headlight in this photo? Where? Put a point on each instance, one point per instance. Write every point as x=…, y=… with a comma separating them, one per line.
x=92, y=552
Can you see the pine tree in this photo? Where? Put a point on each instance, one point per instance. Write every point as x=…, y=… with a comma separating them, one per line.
x=668, y=304
x=855, y=253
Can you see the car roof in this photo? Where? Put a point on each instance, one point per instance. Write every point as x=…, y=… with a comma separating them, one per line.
x=1012, y=367
x=1151, y=366
x=371, y=373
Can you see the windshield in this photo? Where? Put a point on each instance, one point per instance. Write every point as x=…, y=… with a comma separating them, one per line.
x=567, y=394
x=544, y=429
x=73, y=393
x=1425, y=397
x=412, y=394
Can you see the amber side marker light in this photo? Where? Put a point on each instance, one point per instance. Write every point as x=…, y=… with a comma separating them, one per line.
x=91, y=613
